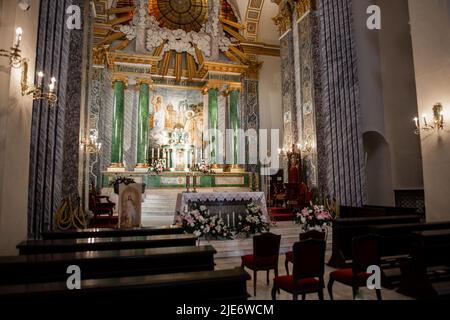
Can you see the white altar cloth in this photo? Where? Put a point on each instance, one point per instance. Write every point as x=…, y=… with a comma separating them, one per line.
x=258, y=198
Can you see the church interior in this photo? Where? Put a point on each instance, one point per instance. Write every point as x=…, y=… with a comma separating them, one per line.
x=226, y=150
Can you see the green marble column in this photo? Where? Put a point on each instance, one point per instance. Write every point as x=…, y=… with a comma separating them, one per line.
x=142, y=141
x=234, y=124
x=213, y=122
x=118, y=124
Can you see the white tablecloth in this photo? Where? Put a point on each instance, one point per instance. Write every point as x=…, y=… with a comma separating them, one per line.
x=258, y=198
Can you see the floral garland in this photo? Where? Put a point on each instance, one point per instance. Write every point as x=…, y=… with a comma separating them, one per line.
x=254, y=222
x=196, y=219
x=314, y=217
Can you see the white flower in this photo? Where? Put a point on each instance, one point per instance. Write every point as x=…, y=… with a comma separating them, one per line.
x=197, y=233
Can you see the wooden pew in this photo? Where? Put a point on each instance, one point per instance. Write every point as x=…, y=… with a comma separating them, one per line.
x=100, y=244
x=374, y=211
x=104, y=264
x=130, y=292
x=345, y=229
x=429, y=263
x=110, y=233
x=397, y=239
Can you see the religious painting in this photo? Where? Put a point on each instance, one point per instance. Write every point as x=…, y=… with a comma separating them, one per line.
x=130, y=199
x=176, y=117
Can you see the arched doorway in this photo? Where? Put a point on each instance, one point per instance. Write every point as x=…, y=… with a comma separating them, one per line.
x=378, y=170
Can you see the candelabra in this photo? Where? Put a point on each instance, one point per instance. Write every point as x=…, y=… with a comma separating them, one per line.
x=92, y=145
x=437, y=122
x=15, y=58
x=37, y=91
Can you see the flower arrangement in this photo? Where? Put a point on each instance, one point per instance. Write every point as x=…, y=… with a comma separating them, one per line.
x=196, y=219
x=254, y=222
x=314, y=217
x=203, y=167
x=121, y=179
x=157, y=167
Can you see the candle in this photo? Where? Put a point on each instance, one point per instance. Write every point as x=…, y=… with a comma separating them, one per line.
x=40, y=78
x=19, y=32
x=51, y=86
x=416, y=121
x=425, y=120
x=234, y=219
x=228, y=220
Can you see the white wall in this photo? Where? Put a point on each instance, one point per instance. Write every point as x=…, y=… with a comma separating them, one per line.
x=15, y=126
x=388, y=97
x=270, y=109
x=430, y=25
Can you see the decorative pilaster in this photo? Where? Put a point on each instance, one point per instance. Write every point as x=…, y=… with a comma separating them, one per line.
x=213, y=123
x=55, y=132
x=235, y=126
x=118, y=124
x=143, y=114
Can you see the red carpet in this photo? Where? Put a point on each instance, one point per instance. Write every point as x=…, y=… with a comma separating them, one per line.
x=282, y=214
x=104, y=222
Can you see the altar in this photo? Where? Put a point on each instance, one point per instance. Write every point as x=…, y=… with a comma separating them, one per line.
x=226, y=205
x=193, y=180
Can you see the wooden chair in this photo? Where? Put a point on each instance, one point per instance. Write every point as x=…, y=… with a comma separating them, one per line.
x=312, y=234
x=365, y=254
x=99, y=207
x=266, y=249
x=308, y=274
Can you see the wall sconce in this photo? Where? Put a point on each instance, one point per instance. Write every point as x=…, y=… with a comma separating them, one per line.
x=38, y=90
x=437, y=122
x=15, y=58
x=91, y=145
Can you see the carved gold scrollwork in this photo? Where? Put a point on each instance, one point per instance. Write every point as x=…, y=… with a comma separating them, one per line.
x=302, y=7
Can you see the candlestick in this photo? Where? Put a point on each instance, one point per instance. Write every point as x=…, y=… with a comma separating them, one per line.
x=234, y=219
x=40, y=78
x=19, y=32
x=228, y=220
x=416, y=121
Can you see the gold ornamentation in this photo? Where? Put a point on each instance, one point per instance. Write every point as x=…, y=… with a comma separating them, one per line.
x=99, y=55
x=283, y=20
x=302, y=7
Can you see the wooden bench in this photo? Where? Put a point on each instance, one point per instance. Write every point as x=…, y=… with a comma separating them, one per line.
x=100, y=244
x=110, y=233
x=104, y=264
x=345, y=229
x=131, y=292
x=397, y=239
x=429, y=264
x=374, y=211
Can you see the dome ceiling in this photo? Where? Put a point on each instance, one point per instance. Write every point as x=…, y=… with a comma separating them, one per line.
x=188, y=15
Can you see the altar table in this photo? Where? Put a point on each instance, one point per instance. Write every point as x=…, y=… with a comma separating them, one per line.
x=228, y=205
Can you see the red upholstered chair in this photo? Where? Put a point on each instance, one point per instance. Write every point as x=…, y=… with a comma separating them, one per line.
x=365, y=254
x=266, y=249
x=309, y=267
x=99, y=207
x=312, y=234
